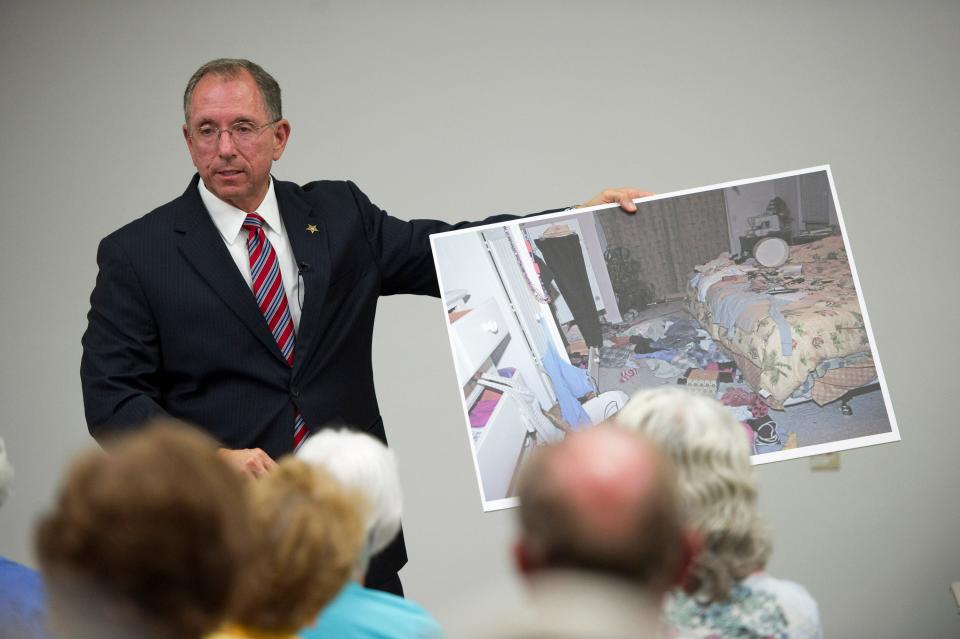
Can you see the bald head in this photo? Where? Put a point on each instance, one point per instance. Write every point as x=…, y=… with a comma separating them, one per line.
x=602, y=500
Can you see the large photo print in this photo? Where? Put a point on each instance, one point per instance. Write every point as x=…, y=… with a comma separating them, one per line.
x=745, y=292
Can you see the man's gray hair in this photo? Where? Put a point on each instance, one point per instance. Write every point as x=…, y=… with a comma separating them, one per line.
x=232, y=68
x=362, y=463
x=6, y=473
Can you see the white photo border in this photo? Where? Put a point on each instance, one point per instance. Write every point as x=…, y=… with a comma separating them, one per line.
x=765, y=458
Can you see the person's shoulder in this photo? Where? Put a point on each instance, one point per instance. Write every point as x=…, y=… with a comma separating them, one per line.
x=364, y=612
x=314, y=190
x=13, y=572
x=795, y=600
x=783, y=588
x=330, y=192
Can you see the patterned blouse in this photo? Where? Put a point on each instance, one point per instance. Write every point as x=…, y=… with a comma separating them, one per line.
x=759, y=607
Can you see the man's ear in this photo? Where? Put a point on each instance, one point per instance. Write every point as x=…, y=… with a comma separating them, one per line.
x=281, y=134
x=691, y=544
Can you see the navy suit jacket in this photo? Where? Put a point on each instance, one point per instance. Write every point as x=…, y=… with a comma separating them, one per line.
x=174, y=329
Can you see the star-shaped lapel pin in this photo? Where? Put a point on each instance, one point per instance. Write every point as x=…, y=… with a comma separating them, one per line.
x=312, y=228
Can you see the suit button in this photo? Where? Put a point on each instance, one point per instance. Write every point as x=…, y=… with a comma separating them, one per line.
x=294, y=391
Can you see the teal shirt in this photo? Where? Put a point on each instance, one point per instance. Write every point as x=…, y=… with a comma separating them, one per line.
x=363, y=613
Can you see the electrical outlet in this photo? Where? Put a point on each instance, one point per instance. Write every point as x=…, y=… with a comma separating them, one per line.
x=827, y=461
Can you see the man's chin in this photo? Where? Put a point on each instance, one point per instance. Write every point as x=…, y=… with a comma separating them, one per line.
x=227, y=191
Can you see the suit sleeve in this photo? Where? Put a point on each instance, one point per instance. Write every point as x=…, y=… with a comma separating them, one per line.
x=402, y=248
x=120, y=368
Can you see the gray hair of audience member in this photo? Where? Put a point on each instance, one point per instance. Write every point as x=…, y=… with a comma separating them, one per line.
x=711, y=453
x=146, y=538
x=602, y=501
x=364, y=464
x=232, y=68
x=6, y=473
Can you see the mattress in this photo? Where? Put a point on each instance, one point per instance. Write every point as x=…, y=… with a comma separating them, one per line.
x=796, y=331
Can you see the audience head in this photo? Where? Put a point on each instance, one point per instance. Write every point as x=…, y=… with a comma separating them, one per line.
x=6, y=473
x=364, y=464
x=711, y=453
x=603, y=501
x=145, y=539
x=307, y=535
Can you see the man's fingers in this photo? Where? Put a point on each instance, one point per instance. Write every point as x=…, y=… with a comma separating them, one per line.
x=623, y=197
x=254, y=466
x=627, y=197
x=259, y=463
x=252, y=462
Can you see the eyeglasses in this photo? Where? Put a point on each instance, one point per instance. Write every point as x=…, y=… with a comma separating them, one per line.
x=242, y=133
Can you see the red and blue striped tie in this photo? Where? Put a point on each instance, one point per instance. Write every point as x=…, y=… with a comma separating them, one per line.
x=272, y=300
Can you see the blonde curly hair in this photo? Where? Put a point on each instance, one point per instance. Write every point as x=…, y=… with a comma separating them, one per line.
x=308, y=532
x=718, y=491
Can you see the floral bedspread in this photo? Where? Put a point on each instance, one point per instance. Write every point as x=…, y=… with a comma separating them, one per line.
x=781, y=340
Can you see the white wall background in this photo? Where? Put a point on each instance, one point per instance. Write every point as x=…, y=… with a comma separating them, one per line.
x=458, y=109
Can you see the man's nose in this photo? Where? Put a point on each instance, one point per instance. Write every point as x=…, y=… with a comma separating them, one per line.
x=225, y=146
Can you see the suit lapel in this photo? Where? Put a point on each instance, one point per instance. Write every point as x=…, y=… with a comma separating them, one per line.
x=308, y=239
x=202, y=246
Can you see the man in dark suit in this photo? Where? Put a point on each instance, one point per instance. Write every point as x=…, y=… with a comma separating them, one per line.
x=246, y=305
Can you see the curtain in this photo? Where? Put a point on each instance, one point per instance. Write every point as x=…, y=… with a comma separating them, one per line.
x=669, y=237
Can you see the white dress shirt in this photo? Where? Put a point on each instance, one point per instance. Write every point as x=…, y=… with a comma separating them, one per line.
x=229, y=221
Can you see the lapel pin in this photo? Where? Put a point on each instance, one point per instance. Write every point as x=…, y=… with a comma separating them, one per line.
x=312, y=228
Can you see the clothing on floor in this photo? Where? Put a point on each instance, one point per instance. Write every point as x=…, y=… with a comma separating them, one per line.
x=569, y=383
x=663, y=369
x=680, y=333
x=612, y=357
x=744, y=397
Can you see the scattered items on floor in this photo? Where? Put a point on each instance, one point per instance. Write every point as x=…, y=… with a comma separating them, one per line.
x=726, y=371
x=641, y=344
x=652, y=329
x=703, y=382
x=791, y=441
x=569, y=383
x=578, y=346
x=766, y=430
x=613, y=357
x=662, y=369
x=698, y=354
x=744, y=397
x=620, y=340
x=605, y=405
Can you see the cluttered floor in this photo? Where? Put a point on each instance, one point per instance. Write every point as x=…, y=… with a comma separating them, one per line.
x=663, y=346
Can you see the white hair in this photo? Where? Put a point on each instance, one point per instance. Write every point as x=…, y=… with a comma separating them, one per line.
x=363, y=463
x=6, y=473
x=711, y=453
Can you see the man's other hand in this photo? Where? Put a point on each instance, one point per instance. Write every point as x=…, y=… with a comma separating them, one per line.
x=252, y=462
x=624, y=197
